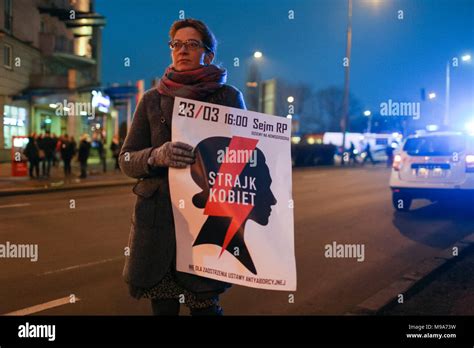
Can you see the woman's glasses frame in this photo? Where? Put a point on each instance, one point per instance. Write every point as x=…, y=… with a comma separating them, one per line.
x=190, y=44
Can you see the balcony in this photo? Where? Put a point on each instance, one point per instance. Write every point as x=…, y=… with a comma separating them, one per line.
x=72, y=79
x=82, y=19
x=51, y=43
x=61, y=50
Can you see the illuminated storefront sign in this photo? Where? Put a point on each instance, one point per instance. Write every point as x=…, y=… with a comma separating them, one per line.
x=101, y=102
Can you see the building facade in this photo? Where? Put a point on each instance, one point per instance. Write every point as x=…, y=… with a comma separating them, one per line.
x=51, y=70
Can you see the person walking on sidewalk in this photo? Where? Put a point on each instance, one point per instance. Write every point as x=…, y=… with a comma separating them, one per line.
x=47, y=145
x=102, y=153
x=31, y=151
x=74, y=145
x=67, y=152
x=83, y=154
x=150, y=269
x=368, y=155
x=55, y=141
x=353, y=154
x=39, y=142
x=115, y=148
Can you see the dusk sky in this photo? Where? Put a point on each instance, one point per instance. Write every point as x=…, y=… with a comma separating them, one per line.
x=391, y=58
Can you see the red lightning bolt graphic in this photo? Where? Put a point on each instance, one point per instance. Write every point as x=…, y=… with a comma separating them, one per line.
x=238, y=212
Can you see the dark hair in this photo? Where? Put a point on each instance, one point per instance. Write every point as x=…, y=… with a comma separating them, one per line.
x=208, y=37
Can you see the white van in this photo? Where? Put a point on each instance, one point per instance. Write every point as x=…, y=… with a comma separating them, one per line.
x=434, y=166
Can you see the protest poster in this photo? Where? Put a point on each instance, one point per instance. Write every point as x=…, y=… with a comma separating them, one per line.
x=233, y=208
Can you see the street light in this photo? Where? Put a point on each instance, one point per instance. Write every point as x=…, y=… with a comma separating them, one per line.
x=290, y=100
x=258, y=54
x=345, y=103
x=432, y=95
x=253, y=82
x=465, y=58
x=368, y=113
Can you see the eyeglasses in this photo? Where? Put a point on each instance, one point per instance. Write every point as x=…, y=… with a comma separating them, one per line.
x=191, y=44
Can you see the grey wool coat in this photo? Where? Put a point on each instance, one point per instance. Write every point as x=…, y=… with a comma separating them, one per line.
x=152, y=240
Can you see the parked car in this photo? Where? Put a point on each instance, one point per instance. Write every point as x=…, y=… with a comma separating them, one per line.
x=435, y=166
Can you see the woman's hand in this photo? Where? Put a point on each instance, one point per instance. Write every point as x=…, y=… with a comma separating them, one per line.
x=172, y=154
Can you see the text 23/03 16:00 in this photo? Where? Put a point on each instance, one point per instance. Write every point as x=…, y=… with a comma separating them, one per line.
x=209, y=113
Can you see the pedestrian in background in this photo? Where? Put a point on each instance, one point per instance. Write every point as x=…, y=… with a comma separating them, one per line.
x=389, y=152
x=83, y=154
x=41, y=152
x=55, y=141
x=74, y=145
x=67, y=153
x=47, y=146
x=31, y=152
x=101, y=151
x=352, y=154
x=115, y=147
x=368, y=154
x=148, y=152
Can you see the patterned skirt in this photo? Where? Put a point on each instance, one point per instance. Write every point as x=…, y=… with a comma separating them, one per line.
x=167, y=288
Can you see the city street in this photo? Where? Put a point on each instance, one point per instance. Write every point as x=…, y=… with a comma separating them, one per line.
x=81, y=248
x=287, y=125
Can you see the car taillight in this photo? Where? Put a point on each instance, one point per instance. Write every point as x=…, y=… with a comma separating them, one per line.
x=470, y=163
x=396, y=162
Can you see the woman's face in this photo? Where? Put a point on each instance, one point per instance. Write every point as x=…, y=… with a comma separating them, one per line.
x=185, y=58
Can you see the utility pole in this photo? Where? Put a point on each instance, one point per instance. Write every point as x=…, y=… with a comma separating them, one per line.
x=345, y=105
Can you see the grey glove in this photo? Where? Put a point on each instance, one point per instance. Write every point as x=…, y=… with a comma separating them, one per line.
x=172, y=154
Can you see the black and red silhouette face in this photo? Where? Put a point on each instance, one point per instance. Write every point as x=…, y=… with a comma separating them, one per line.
x=226, y=223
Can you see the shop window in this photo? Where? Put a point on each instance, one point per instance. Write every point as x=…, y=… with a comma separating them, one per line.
x=14, y=123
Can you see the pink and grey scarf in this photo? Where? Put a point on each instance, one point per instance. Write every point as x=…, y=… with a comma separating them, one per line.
x=193, y=84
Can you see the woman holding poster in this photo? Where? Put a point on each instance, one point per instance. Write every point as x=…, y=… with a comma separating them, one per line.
x=150, y=267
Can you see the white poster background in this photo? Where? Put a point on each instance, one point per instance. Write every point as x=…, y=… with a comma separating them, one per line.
x=271, y=246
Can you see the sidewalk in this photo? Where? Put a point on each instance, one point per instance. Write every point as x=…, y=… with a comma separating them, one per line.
x=57, y=182
x=449, y=291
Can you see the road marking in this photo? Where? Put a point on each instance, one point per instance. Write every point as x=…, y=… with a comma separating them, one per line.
x=15, y=205
x=43, y=306
x=82, y=265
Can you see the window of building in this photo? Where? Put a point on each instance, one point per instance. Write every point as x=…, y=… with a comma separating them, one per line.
x=7, y=56
x=8, y=15
x=14, y=123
